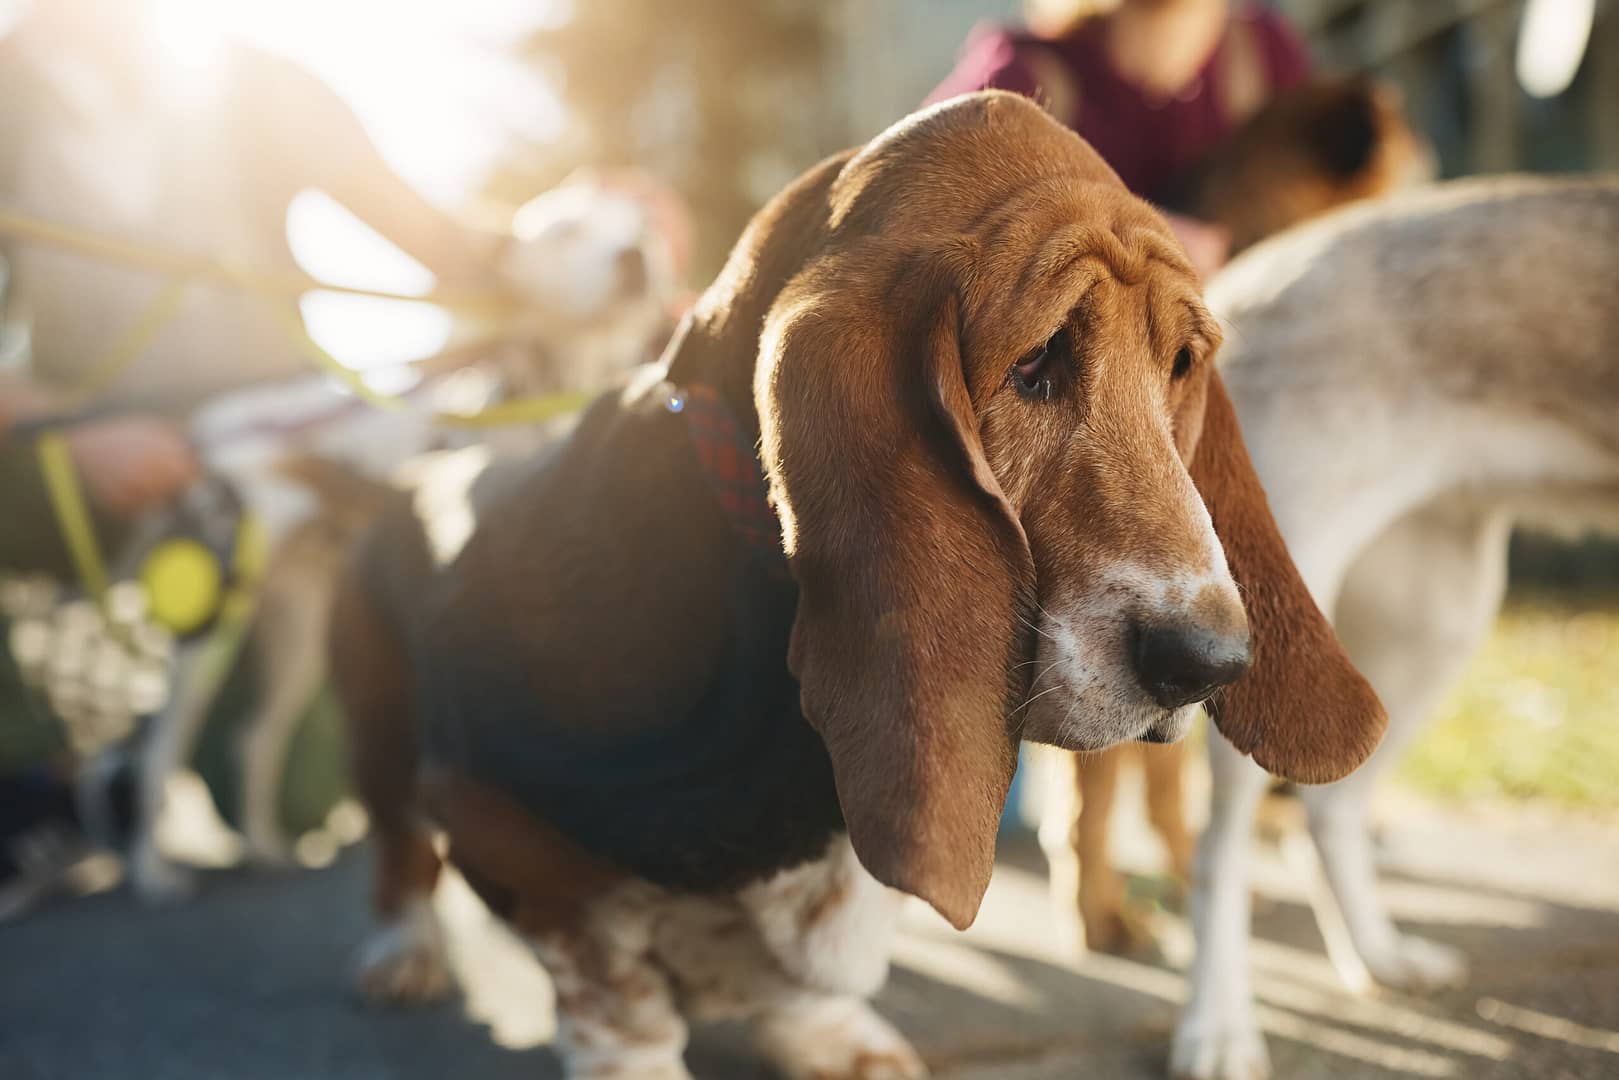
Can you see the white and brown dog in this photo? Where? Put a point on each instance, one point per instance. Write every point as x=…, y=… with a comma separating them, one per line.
x=1414, y=380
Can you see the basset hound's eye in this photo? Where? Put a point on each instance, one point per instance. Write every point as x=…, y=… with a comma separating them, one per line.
x=1183, y=364
x=1033, y=377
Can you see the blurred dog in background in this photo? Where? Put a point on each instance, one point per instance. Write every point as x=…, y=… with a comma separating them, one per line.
x=1328, y=142
x=1415, y=379
x=599, y=255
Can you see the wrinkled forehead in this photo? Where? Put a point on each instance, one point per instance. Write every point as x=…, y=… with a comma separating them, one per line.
x=952, y=164
x=1031, y=198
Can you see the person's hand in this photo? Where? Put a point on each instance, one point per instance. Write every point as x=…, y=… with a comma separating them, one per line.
x=131, y=464
x=22, y=400
x=1207, y=245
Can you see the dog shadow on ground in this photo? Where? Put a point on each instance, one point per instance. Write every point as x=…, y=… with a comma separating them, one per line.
x=250, y=980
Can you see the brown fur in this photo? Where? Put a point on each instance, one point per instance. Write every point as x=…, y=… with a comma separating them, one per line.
x=605, y=654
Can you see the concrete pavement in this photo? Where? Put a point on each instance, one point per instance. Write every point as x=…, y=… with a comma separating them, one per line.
x=249, y=980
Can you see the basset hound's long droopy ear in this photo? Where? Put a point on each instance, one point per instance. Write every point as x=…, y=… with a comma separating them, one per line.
x=915, y=577
x=1302, y=710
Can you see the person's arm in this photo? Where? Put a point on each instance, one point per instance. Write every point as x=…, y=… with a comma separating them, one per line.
x=992, y=58
x=1286, y=56
x=20, y=400
x=1207, y=244
x=319, y=139
x=129, y=464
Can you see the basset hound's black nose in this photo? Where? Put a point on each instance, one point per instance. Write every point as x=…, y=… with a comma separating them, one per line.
x=1179, y=663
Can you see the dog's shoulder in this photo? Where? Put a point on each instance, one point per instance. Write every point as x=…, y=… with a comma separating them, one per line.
x=589, y=636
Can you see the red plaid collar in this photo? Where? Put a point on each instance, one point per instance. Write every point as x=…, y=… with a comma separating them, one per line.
x=730, y=463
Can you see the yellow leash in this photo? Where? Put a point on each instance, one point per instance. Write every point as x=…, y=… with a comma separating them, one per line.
x=72, y=513
x=136, y=340
x=529, y=410
x=280, y=291
x=177, y=264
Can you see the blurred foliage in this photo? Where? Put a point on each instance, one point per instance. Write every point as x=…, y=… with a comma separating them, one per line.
x=719, y=100
x=1537, y=714
x=1576, y=567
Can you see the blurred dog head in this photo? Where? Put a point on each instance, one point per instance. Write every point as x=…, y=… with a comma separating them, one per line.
x=600, y=252
x=1333, y=140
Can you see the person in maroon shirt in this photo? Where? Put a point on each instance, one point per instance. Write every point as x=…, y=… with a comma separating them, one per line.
x=1153, y=85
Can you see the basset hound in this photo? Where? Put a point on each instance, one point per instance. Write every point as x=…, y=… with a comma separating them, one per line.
x=695, y=762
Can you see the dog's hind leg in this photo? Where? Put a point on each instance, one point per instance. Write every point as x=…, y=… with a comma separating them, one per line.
x=406, y=959
x=165, y=750
x=1413, y=610
x=1166, y=804
x=1218, y=1035
x=1108, y=926
x=288, y=638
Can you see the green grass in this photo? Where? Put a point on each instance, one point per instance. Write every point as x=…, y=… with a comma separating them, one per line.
x=1535, y=717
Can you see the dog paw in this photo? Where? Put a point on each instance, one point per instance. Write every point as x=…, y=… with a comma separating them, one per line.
x=1228, y=1051
x=837, y=1039
x=406, y=962
x=1119, y=933
x=1418, y=966
x=157, y=881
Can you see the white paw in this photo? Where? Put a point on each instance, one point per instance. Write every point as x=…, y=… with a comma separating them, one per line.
x=1229, y=1049
x=837, y=1039
x=406, y=962
x=1417, y=965
x=157, y=881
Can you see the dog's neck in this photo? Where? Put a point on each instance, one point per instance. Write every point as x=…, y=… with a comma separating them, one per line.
x=703, y=353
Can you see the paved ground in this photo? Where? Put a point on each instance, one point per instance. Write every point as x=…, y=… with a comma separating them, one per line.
x=248, y=981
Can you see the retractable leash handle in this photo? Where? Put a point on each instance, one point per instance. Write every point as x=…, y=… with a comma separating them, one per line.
x=197, y=559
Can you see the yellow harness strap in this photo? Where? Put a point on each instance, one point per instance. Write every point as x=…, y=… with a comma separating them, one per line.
x=72, y=513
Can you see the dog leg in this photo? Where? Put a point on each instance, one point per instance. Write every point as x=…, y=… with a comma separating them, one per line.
x=834, y=1037
x=828, y=924
x=1108, y=926
x=1058, y=833
x=289, y=639
x=1163, y=770
x=405, y=960
x=1218, y=1037
x=167, y=749
x=1415, y=607
x=616, y=1011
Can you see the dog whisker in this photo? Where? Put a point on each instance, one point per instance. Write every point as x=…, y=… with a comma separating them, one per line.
x=1017, y=732
x=1025, y=620
x=1038, y=696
